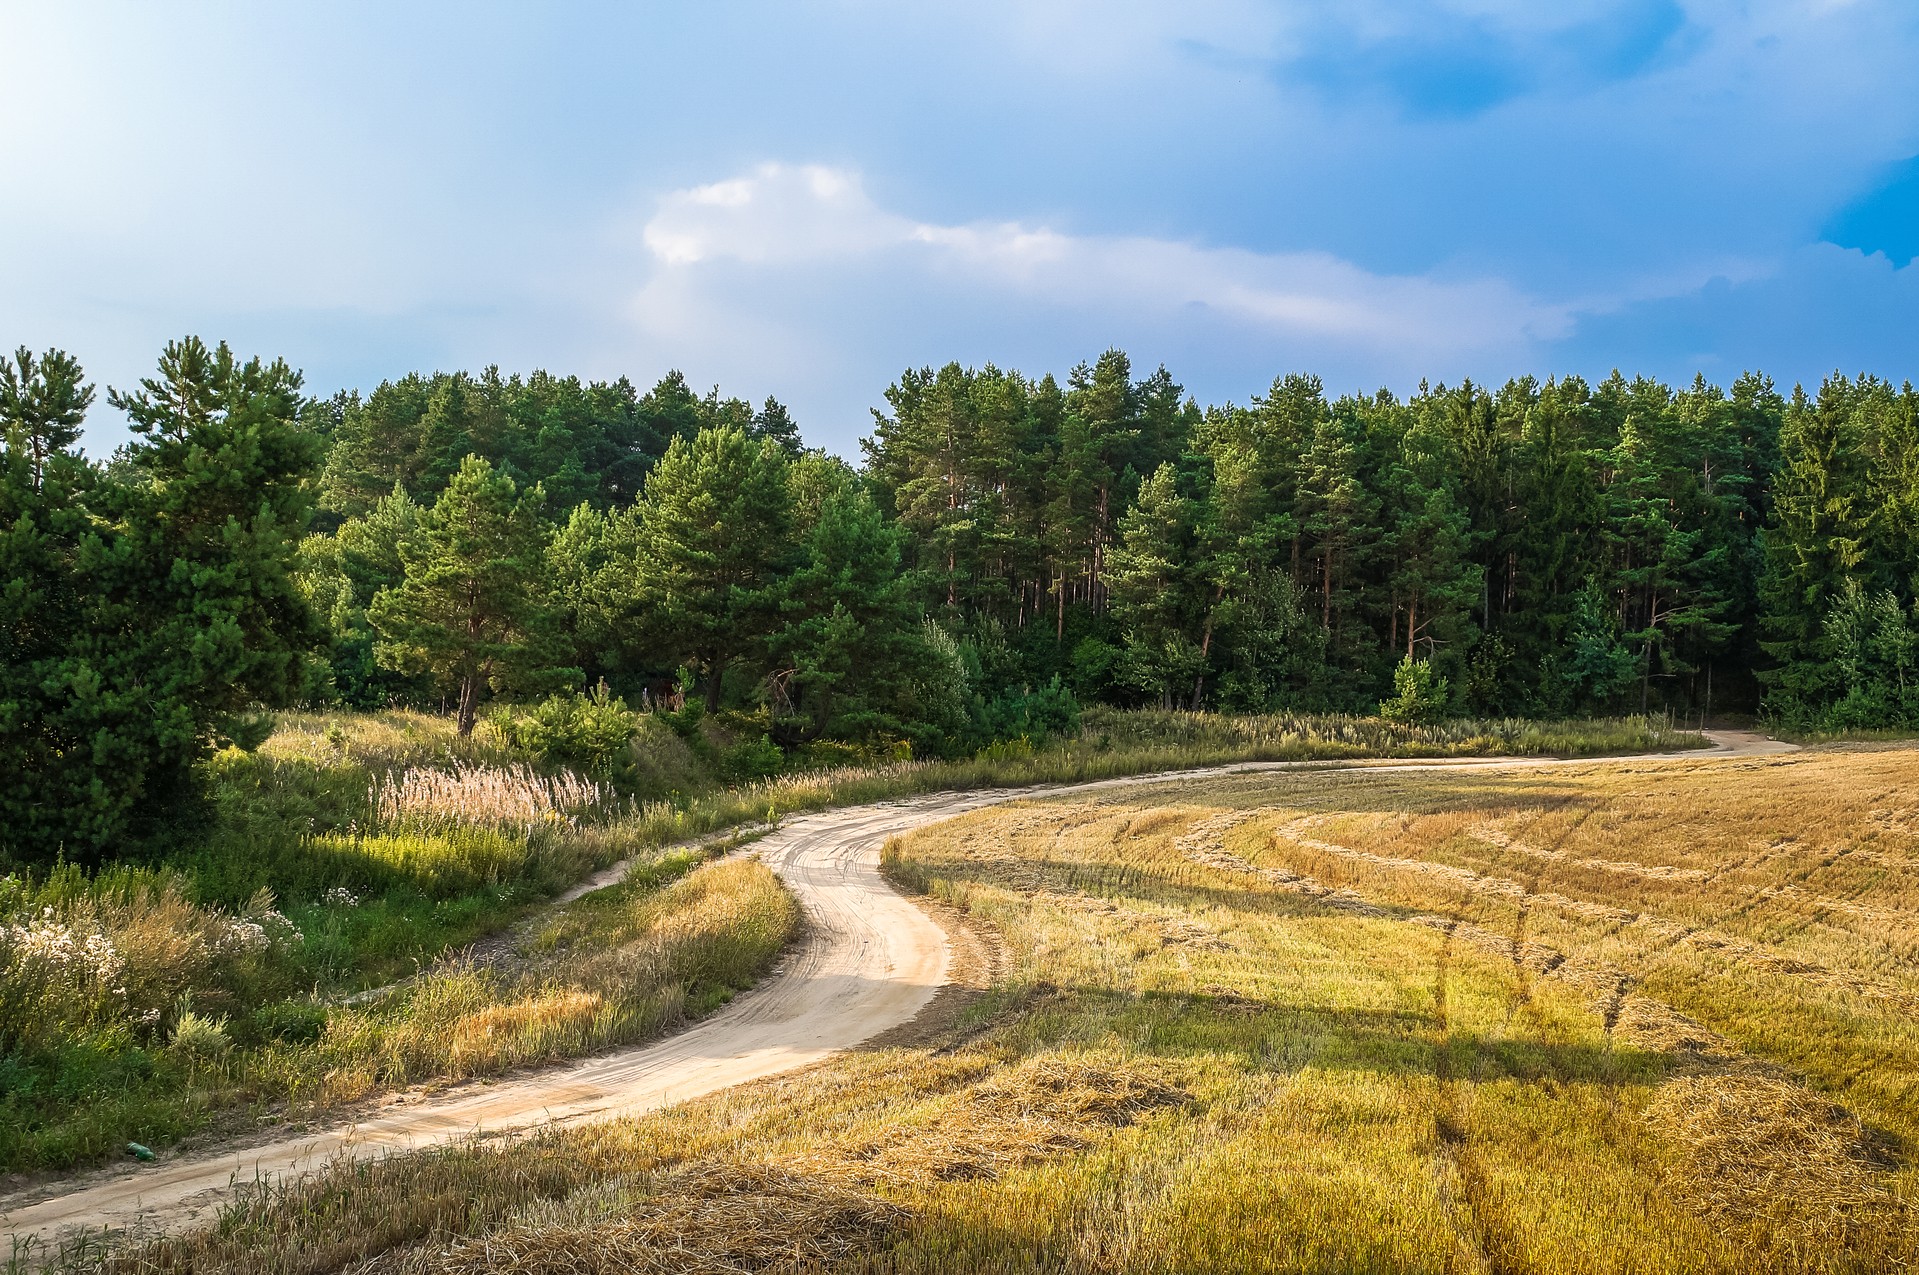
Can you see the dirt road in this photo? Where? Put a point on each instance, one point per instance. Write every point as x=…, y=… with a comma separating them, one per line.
x=869, y=960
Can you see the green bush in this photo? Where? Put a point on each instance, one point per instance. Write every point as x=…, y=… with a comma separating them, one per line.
x=754, y=759
x=1422, y=695
x=200, y=1035
x=301, y=1022
x=1034, y=715
x=585, y=732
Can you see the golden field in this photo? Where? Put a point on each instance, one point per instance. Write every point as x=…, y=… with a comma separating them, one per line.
x=1633, y=1016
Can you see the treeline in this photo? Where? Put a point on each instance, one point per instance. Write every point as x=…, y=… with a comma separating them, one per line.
x=1012, y=546
x=1549, y=548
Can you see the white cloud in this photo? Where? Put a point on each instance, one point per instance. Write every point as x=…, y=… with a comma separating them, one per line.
x=777, y=213
x=782, y=215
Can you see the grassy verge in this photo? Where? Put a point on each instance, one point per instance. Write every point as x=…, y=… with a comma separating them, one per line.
x=613, y=968
x=213, y=988
x=1585, y=1020
x=1794, y=736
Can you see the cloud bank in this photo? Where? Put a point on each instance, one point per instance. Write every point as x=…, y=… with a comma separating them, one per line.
x=726, y=260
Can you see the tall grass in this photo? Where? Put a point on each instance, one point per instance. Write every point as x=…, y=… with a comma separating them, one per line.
x=611, y=970
x=345, y=853
x=513, y=796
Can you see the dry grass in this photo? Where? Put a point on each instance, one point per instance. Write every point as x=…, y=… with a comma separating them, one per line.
x=1779, y=1166
x=611, y=969
x=514, y=796
x=1619, y=1017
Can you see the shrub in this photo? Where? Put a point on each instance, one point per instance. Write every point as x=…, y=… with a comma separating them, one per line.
x=1422, y=694
x=301, y=1022
x=1035, y=715
x=585, y=732
x=753, y=759
x=200, y=1035
x=1019, y=748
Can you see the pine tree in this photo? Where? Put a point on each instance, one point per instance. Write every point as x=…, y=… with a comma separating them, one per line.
x=340, y=575
x=215, y=520
x=42, y=402
x=1819, y=537
x=1339, y=515
x=472, y=609
x=1159, y=593
x=713, y=531
x=70, y=738
x=849, y=644
x=774, y=422
x=1552, y=542
x=144, y=606
x=1432, y=581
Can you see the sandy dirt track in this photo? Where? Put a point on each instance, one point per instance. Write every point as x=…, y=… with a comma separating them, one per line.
x=869, y=960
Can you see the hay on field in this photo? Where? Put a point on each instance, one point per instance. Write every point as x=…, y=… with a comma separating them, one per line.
x=1767, y=1156
x=1047, y=1107
x=724, y=1216
x=809, y=1210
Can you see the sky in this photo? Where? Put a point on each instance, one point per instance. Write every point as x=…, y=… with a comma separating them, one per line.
x=802, y=199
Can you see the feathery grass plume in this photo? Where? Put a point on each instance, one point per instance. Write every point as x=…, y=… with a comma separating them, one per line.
x=511, y=796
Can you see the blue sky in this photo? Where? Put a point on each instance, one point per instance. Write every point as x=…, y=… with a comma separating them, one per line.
x=803, y=199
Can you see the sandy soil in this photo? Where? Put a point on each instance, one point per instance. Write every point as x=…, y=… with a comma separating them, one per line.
x=867, y=965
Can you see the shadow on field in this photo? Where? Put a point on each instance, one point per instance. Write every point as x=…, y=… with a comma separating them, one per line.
x=1288, y=1039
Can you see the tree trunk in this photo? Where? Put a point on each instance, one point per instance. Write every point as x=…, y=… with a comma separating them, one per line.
x=469, y=703
x=1326, y=592
x=716, y=669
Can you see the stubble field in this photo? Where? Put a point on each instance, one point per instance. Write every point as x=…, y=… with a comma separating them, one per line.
x=1642, y=1016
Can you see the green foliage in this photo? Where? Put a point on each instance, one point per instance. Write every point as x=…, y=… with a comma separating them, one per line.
x=849, y=652
x=341, y=574
x=1596, y=667
x=1420, y=696
x=752, y=759
x=471, y=608
x=144, y=605
x=1872, y=643
x=1293, y=550
x=713, y=523
x=591, y=733
x=200, y=1036
x=1033, y=715
x=42, y=403
x=590, y=441
x=1840, y=551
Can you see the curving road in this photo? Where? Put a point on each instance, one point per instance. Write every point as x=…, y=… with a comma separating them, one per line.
x=869, y=960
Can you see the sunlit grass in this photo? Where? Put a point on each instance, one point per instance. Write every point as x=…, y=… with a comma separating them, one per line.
x=391, y=842
x=1624, y=1017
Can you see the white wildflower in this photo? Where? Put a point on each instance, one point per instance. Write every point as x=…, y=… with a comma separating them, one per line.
x=55, y=950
